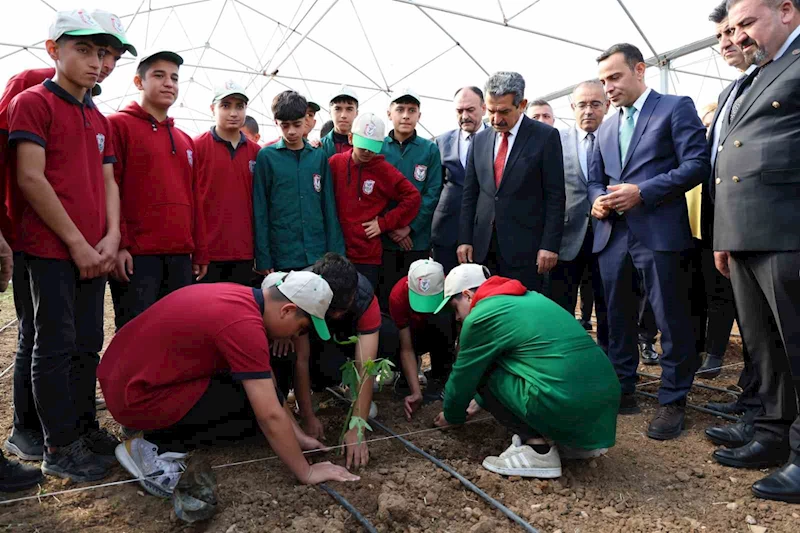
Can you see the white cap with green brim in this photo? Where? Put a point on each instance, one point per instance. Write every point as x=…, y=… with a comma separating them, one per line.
x=113, y=25
x=425, y=285
x=368, y=132
x=347, y=92
x=462, y=278
x=407, y=93
x=229, y=88
x=308, y=291
x=76, y=23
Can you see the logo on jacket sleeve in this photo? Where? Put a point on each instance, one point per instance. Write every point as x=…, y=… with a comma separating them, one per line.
x=317, y=182
x=252, y=165
x=369, y=186
x=420, y=172
x=190, y=157
x=101, y=142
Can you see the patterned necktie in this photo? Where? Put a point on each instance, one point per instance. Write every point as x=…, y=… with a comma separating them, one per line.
x=744, y=88
x=500, y=160
x=626, y=133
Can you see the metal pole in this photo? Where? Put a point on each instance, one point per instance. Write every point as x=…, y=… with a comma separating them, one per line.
x=664, y=68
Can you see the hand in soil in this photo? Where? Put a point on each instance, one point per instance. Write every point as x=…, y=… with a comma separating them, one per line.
x=309, y=443
x=357, y=453
x=313, y=427
x=440, y=421
x=327, y=471
x=411, y=403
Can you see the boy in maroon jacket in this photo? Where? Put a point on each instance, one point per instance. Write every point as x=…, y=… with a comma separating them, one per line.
x=69, y=232
x=163, y=231
x=364, y=184
x=227, y=159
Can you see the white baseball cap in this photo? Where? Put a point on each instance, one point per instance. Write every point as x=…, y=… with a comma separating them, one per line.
x=308, y=291
x=461, y=278
x=347, y=91
x=229, y=88
x=425, y=285
x=76, y=22
x=113, y=25
x=368, y=132
x=407, y=93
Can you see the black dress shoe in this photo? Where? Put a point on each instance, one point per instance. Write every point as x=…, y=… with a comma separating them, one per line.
x=668, y=422
x=628, y=405
x=711, y=368
x=782, y=485
x=733, y=436
x=587, y=325
x=648, y=353
x=754, y=454
x=730, y=408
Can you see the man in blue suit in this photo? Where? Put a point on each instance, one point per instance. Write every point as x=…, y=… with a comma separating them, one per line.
x=453, y=145
x=645, y=159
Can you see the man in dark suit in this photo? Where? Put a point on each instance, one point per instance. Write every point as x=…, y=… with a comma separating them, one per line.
x=454, y=145
x=645, y=158
x=756, y=232
x=589, y=104
x=512, y=212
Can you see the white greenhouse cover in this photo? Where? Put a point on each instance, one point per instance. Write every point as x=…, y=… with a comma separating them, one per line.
x=383, y=46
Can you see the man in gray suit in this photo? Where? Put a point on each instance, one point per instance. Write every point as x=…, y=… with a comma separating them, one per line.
x=757, y=231
x=453, y=145
x=589, y=104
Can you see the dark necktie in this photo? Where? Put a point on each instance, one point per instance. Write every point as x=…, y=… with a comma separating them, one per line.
x=589, y=152
x=744, y=88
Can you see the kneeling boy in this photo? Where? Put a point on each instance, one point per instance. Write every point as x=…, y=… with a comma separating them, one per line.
x=188, y=379
x=532, y=365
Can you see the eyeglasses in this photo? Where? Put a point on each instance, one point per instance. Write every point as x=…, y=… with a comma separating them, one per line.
x=594, y=105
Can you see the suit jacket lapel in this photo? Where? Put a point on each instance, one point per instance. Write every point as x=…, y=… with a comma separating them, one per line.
x=487, y=159
x=764, y=80
x=613, y=131
x=641, y=123
x=451, y=154
x=519, y=145
x=574, y=150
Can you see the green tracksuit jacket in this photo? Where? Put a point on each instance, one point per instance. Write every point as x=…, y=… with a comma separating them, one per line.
x=294, y=209
x=539, y=362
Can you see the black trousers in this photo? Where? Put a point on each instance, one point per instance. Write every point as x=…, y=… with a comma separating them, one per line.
x=566, y=279
x=587, y=295
x=435, y=337
x=528, y=275
x=154, y=276
x=447, y=256
x=372, y=273
x=68, y=323
x=395, y=265
x=25, y=416
x=240, y=272
x=505, y=417
x=646, y=321
x=766, y=288
x=222, y=414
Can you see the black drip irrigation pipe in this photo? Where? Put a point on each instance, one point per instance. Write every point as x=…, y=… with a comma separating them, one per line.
x=696, y=408
x=694, y=384
x=347, y=505
x=464, y=481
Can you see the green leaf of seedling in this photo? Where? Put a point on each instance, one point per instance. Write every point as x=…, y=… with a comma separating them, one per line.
x=361, y=425
x=350, y=378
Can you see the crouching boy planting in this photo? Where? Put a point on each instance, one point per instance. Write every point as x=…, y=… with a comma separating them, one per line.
x=188, y=379
x=534, y=368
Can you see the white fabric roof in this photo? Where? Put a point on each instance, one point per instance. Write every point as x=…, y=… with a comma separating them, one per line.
x=380, y=46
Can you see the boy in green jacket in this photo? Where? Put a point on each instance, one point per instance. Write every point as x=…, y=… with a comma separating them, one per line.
x=419, y=161
x=294, y=210
x=344, y=110
x=534, y=368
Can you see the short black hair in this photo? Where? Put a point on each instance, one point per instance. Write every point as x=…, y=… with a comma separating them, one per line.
x=343, y=99
x=406, y=100
x=720, y=13
x=472, y=88
x=289, y=105
x=326, y=128
x=144, y=66
x=277, y=296
x=251, y=124
x=539, y=102
x=342, y=277
x=633, y=55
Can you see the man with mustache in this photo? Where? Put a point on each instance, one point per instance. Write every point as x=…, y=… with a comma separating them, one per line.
x=453, y=146
x=512, y=211
x=756, y=236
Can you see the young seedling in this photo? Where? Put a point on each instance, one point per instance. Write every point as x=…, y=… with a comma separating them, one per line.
x=354, y=381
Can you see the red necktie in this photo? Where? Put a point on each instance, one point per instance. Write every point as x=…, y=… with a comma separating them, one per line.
x=500, y=160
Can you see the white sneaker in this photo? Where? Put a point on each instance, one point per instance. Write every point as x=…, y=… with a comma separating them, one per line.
x=566, y=452
x=522, y=460
x=373, y=410
x=157, y=474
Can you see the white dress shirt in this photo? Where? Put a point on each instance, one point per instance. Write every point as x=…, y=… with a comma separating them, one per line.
x=498, y=138
x=583, y=147
x=464, y=142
